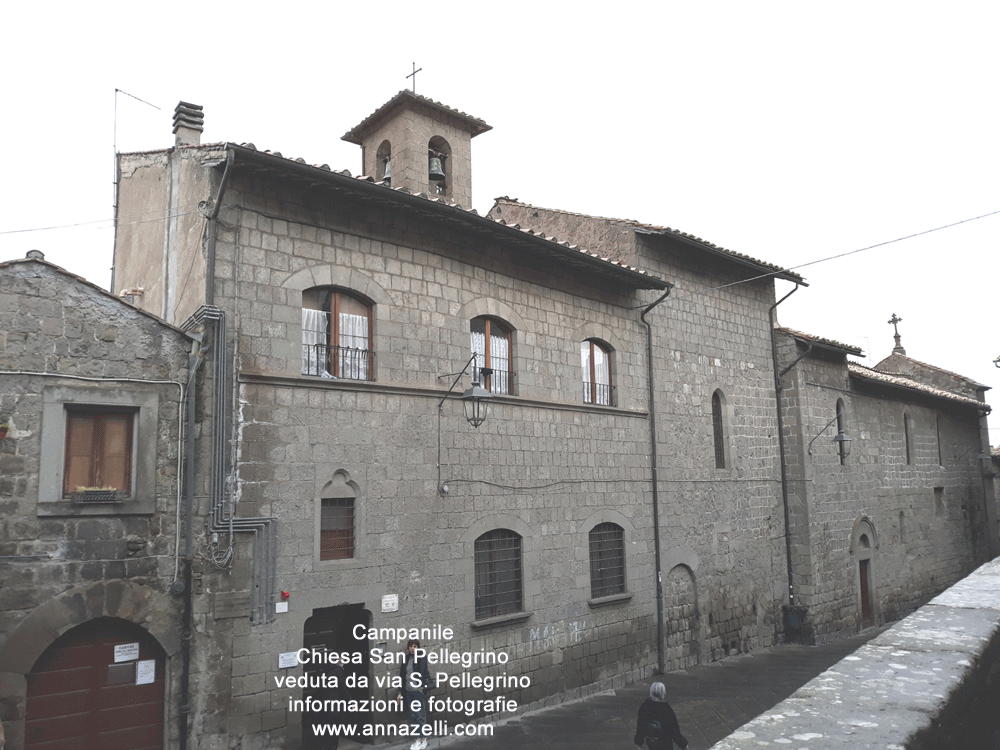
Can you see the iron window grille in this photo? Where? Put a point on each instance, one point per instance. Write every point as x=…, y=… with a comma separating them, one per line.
x=336, y=535
x=607, y=560
x=499, y=579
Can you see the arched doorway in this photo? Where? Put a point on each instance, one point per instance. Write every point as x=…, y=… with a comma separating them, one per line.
x=99, y=685
x=681, y=614
x=863, y=545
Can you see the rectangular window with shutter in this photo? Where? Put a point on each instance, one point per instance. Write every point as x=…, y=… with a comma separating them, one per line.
x=98, y=461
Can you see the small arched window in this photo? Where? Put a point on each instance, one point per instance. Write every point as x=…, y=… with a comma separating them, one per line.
x=499, y=577
x=595, y=360
x=719, y=430
x=491, y=342
x=383, y=163
x=940, y=446
x=337, y=335
x=607, y=560
x=908, y=437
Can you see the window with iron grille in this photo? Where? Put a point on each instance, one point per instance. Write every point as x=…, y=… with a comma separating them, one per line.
x=607, y=560
x=336, y=534
x=98, y=454
x=718, y=431
x=499, y=580
x=595, y=360
x=491, y=342
x=337, y=335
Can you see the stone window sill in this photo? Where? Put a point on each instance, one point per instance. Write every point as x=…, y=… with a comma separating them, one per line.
x=513, y=618
x=606, y=601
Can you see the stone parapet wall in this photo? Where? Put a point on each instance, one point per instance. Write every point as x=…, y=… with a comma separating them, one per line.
x=925, y=683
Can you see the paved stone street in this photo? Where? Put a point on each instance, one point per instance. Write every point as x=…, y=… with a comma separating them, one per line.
x=711, y=702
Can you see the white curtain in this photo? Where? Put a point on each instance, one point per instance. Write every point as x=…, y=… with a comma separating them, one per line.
x=602, y=374
x=315, y=325
x=354, y=346
x=499, y=360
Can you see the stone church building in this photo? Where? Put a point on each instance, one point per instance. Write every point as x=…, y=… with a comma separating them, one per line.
x=569, y=449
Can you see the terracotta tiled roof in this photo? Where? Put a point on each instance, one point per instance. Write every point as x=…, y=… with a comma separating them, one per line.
x=654, y=229
x=356, y=134
x=846, y=348
x=901, y=381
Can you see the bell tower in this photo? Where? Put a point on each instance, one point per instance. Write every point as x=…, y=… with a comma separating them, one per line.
x=419, y=144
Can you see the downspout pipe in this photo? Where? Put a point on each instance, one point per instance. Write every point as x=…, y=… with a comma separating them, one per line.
x=213, y=229
x=660, y=661
x=781, y=444
x=194, y=362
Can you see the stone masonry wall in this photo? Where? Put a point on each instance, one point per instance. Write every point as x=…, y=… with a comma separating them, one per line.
x=52, y=322
x=924, y=515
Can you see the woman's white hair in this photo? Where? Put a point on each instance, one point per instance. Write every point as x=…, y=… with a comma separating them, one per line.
x=658, y=692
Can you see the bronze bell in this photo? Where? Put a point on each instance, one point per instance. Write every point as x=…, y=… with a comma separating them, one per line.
x=387, y=175
x=436, y=172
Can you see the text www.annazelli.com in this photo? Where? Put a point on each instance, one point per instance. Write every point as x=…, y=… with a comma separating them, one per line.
x=434, y=729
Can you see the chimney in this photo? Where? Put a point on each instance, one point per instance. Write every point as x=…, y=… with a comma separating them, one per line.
x=189, y=121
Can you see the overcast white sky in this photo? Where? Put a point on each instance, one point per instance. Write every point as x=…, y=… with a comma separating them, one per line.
x=788, y=131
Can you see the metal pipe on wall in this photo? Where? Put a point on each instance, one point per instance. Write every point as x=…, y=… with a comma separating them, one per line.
x=660, y=661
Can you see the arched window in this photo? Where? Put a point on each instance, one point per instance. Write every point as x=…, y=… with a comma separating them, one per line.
x=607, y=560
x=337, y=335
x=383, y=163
x=940, y=447
x=491, y=342
x=908, y=437
x=595, y=360
x=336, y=518
x=841, y=429
x=719, y=430
x=499, y=578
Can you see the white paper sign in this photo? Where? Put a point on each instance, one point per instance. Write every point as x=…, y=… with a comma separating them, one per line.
x=126, y=652
x=145, y=672
x=390, y=602
x=280, y=607
x=288, y=660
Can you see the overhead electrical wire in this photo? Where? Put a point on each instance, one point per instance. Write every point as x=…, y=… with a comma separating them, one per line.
x=681, y=292
x=109, y=222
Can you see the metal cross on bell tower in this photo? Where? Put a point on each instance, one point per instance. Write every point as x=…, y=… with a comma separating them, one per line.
x=413, y=75
x=898, y=348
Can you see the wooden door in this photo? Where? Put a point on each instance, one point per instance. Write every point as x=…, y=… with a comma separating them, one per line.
x=864, y=571
x=100, y=685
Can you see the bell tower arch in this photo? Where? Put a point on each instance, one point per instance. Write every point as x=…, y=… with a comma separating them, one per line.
x=427, y=146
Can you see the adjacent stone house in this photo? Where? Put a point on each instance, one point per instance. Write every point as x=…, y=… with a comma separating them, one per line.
x=91, y=414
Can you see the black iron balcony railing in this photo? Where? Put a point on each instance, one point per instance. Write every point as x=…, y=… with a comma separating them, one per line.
x=338, y=362
x=598, y=393
x=499, y=382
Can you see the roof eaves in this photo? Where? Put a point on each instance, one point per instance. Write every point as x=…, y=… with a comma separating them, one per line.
x=356, y=134
x=902, y=382
x=642, y=228
x=103, y=291
x=825, y=343
x=970, y=381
